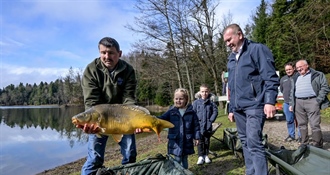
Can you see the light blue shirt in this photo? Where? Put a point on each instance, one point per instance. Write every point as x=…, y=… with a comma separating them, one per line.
x=182, y=111
x=304, y=86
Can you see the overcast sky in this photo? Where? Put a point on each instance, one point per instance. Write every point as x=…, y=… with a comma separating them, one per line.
x=41, y=39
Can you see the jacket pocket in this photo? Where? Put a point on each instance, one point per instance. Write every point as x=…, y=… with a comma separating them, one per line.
x=189, y=136
x=189, y=143
x=256, y=86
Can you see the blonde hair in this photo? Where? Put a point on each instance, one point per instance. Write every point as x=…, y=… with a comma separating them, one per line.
x=184, y=92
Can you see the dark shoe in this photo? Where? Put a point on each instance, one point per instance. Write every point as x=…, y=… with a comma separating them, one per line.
x=298, y=140
x=288, y=139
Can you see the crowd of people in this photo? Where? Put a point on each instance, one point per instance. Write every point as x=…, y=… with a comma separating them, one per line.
x=253, y=85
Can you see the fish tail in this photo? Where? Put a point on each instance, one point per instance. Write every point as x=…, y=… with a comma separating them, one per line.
x=161, y=125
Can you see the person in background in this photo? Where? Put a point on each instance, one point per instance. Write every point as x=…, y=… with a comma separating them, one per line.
x=309, y=95
x=285, y=87
x=253, y=85
x=207, y=112
x=186, y=127
x=224, y=83
x=107, y=79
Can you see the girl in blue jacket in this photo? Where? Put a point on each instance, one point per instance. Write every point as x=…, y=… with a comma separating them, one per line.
x=186, y=127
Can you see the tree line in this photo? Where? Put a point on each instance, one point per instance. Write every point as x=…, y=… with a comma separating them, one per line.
x=63, y=91
x=182, y=46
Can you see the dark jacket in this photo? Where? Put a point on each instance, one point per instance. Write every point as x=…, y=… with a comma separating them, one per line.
x=252, y=80
x=320, y=86
x=207, y=112
x=286, y=86
x=186, y=128
x=99, y=88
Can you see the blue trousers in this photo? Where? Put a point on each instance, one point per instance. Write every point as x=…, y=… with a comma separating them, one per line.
x=183, y=160
x=249, y=125
x=289, y=116
x=96, y=149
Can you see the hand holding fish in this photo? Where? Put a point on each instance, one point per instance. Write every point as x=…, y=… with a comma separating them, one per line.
x=94, y=129
x=89, y=128
x=138, y=131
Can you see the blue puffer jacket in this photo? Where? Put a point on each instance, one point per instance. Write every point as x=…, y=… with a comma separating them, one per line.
x=186, y=128
x=252, y=80
x=207, y=112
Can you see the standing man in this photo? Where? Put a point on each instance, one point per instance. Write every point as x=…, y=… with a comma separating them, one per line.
x=207, y=112
x=253, y=85
x=108, y=79
x=309, y=95
x=285, y=87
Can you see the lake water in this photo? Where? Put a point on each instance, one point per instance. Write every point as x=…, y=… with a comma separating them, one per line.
x=34, y=139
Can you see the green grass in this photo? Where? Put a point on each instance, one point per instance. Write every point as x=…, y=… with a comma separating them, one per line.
x=225, y=162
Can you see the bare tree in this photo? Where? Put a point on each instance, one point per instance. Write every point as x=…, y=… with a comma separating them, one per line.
x=156, y=23
x=203, y=30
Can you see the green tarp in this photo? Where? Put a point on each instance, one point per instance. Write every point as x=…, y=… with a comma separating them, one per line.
x=158, y=165
x=306, y=160
x=231, y=139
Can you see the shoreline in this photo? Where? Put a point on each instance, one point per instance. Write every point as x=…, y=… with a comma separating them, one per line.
x=112, y=152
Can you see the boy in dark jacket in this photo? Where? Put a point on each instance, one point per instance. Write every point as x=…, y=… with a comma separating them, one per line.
x=186, y=127
x=207, y=112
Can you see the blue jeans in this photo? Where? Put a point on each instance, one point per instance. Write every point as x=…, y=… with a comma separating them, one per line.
x=96, y=149
x=249, y=125
x=289, y=116
x=183, y=160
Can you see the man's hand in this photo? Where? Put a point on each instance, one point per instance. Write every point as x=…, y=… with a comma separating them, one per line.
x=269, y=110
x=290, y=108
x=196, y=142
x=231, y=117
x=89, y=128
x=138, y=131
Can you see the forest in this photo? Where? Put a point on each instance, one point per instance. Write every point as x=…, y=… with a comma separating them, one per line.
x=182, y=46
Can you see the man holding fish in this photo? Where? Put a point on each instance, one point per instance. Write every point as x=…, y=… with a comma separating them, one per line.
x=107, y=80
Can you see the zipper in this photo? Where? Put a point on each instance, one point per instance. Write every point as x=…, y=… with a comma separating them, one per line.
x=236, y=72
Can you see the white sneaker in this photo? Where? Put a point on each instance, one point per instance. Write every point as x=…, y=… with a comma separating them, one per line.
x=200, y=160
x=207, y=159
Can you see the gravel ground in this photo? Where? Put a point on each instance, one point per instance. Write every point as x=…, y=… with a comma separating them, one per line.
x=277, y=132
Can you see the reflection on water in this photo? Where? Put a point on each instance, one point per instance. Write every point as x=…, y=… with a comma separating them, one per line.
x=38, y=138
x=34, y=139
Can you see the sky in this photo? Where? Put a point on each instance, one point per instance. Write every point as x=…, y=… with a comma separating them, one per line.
x=41, y=39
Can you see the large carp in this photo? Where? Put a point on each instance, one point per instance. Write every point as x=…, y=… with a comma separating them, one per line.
x=119, y=119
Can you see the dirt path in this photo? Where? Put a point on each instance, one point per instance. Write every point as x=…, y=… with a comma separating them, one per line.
x=275, y=129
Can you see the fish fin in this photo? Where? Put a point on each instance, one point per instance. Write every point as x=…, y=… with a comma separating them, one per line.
x=136, y=108
x=117, y=137
x=161, y=126
x=142, y=109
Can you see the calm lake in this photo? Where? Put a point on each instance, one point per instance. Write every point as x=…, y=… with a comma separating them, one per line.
x=38, y=138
